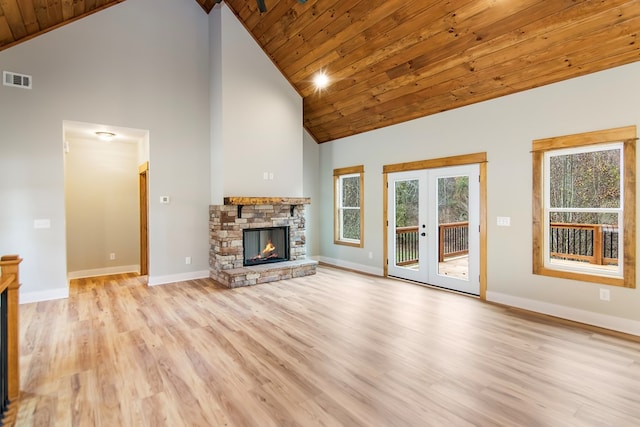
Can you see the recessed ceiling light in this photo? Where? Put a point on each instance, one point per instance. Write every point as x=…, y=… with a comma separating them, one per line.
x=321, y=80
x=105, y=136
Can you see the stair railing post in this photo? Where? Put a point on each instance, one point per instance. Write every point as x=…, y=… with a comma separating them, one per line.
x=9, y=265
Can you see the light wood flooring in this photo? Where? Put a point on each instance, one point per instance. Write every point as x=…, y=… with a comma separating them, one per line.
x=334, y=349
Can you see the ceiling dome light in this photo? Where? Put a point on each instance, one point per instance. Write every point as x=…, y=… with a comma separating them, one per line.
x=105, y=136
x=321, y=80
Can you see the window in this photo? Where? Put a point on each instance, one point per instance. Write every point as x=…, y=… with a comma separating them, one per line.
x=584, y=206
x=349, y=202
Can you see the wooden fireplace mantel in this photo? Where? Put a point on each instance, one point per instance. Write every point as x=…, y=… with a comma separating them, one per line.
x=241, y=201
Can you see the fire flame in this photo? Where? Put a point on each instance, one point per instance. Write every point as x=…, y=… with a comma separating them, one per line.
x=269, y=248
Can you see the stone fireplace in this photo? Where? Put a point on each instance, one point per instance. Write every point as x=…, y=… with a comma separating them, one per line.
x=258, y=240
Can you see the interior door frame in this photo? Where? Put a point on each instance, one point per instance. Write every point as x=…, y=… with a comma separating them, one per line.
x=465, y=159
x=143, y=192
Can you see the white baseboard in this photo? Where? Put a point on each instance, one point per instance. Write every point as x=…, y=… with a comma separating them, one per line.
x=51, y=294
x=350, y=265
x=172, y=278
x=106, y=271
x=606, y=321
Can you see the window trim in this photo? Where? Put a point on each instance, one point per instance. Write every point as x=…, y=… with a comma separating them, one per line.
x=625, y=135
x=337, y=174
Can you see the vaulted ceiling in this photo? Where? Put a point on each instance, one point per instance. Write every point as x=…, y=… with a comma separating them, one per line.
x=390, y=61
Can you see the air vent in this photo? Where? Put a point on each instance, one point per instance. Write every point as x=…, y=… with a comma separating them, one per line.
x=16, y=80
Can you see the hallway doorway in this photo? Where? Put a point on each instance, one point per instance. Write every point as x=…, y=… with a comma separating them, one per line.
x=105, y=209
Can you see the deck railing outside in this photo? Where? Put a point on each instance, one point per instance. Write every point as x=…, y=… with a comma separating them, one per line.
x=453, y=241
x=9, y=358
x=406, y=245
x=592, y=243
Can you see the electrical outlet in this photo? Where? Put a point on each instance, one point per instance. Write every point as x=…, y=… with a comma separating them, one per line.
x=112, y=256
x=605, y=294
x=265, y=175
x=370, y=255
x=187, y=260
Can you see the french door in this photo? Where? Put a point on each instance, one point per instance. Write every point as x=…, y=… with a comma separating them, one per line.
x=434, y=227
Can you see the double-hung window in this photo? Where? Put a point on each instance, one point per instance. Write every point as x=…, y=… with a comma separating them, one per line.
x=584, y=206
x=349, y=205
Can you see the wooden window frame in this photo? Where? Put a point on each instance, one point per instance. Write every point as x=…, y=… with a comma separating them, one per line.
x=625, y=135
x=337, y=174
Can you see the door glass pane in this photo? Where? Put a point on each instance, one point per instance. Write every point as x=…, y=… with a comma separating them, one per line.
x=406, y=227
x=453, y=227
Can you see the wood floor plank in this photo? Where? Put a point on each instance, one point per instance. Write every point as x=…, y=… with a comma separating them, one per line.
x=333, y=349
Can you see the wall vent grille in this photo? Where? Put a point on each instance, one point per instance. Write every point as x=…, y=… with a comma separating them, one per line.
x=16, y=80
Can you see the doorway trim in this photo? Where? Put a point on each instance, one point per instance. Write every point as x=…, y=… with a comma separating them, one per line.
x=143, y=192
x=465, y=159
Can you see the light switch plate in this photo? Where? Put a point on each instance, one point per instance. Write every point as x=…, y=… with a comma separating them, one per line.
x=41, y=223
x=504, y=221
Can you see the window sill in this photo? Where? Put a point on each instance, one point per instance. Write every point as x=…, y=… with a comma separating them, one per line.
x=352, y=244
x=592, y=278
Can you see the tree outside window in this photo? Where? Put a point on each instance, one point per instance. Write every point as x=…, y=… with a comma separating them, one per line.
x=348, y=224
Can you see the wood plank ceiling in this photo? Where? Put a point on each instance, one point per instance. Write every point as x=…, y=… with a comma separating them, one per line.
x=395, y=60
x=390, y=61
x=22, y=20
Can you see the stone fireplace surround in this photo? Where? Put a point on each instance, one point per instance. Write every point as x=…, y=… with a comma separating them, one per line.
x=226, y=225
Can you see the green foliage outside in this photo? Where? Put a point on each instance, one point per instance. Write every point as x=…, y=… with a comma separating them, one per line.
x=453, y=201
x=407, y=203
x=351, y=207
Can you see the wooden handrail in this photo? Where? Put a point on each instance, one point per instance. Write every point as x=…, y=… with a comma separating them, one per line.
x=597, y=256
x=5, y=282
x=409, y=229
x=10, y=280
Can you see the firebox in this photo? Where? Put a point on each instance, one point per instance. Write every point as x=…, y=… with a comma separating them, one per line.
x=265, y=245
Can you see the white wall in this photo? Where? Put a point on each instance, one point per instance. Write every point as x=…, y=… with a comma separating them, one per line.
x=101, y=203
x=504, y=128
x=257, y=122
x=311, y=188
x=111, y=67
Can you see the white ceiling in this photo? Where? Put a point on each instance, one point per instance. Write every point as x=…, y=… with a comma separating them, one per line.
x=88, y=131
